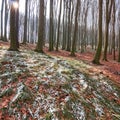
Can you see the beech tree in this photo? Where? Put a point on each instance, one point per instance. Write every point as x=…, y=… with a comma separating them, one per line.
x=2, y=9
x=119, y=35
x=63, y=26
x=25, y=23
x=17, y=24
x=58, y=31
x=51, y=48
x=39, y=47
x=75, y=29
x=97, y=56
x=5, y=20
x=13, y=29
x=69, y=26
x=109, y=4
x=113, y=30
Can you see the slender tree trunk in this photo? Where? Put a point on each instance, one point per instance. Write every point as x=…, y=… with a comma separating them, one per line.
x=107, y=21
x=25, y=23
x=110, y=43
x=93, y=20
x=66, y=25
x=113, y=34
x=119, y=36
x=51, y=48
x=58, y=32
x=6, y=19
x=32, y=28
x=106, y=32
x=2, y=10
x=119, y=45
x=69, y=25
x=29, y=21
x=39, y=47
x=13, y=41
x=99, y=47
x=17, y=24
x=63, y=38
x=75, y=29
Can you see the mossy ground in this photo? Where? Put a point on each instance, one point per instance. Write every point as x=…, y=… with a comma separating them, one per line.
x=38, y=86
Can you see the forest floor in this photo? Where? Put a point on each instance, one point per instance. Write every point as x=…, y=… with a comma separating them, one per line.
x=55, y=86
x=109, y=68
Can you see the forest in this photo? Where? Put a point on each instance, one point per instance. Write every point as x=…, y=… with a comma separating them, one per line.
x=59, y=59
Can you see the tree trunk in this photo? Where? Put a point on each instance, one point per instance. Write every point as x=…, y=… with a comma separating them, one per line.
x=25, y=23
x=51, y=48
x=93, y=20
x=113, y=34
x=2, y=10
x=107, y=21
x=119, y=45
x=99, y=47
x=29, y=21
x=6, y=19
x=13, y=41
x=119, y=36
x=63, y=38
x=58, y=32
x=39, y=47
x=75, y=29
x=17, y=24
x=69, y=26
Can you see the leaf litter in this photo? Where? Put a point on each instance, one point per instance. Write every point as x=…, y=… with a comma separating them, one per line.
x=42, y=87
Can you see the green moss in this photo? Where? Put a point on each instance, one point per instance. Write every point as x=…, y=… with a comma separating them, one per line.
x=4, y=110
x=13, y=79
x=7, y=92
x=67, y=115
x=67, y=72
x=48, y=116
x=24, y=97
x=74, y=96
x=67, y=86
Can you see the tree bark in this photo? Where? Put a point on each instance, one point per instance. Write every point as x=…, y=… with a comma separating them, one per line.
x=119, y=36
x=107, y=21
x=5, y=24
x=63, y=37
x=58, y=32
x=51, y=48
x=13, y=41
x=119, y=47
x=75, y=29
x=25, y=23
x=17, y=24
x=69, y=27
x=39, y=47
x=2, y=10
x=113, y=33
x=97, y=56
